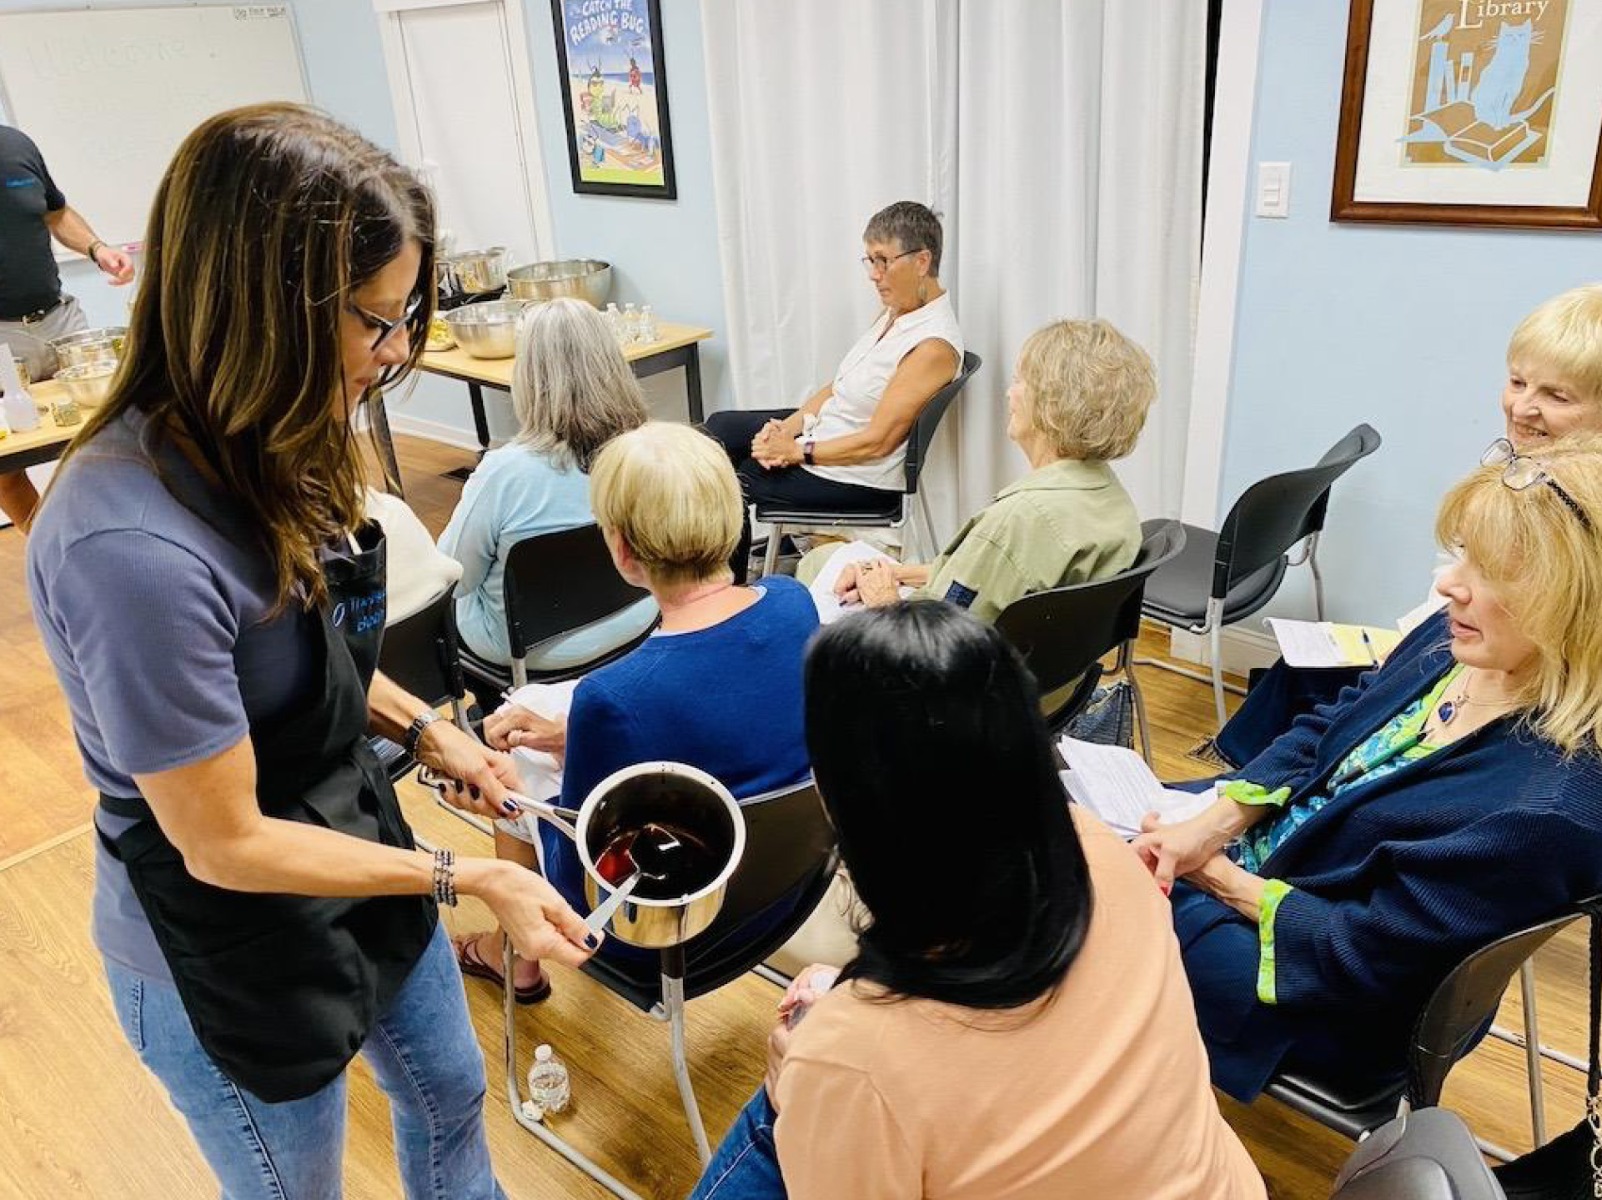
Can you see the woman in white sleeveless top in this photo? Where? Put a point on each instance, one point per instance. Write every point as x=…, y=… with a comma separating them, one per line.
x=845, y=448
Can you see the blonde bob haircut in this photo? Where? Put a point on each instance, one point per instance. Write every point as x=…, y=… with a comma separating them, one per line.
x=1087, y=388
x=572, y=389
x=1546, y=568
x=1565, y=335
x=670, y=493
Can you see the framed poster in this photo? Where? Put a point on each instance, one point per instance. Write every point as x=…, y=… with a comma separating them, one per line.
x=1472, y=112
x=614, y=95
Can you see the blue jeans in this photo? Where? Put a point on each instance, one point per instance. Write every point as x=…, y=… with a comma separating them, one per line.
x=746, y=1165
x=423, y=1051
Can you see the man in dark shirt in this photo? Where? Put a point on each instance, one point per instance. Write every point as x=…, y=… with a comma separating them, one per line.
x=33, y=308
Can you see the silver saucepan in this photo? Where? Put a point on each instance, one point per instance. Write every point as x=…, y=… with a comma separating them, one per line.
x=659, y=796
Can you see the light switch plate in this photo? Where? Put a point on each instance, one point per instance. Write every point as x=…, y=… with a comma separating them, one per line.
x=1273, y=189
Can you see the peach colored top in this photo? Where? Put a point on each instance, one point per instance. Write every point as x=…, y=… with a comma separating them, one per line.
x=1103, y=1091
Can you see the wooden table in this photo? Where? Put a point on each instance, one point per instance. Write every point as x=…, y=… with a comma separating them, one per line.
x=675, y=346
x=41, y=445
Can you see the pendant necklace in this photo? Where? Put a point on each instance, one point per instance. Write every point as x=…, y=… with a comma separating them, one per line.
x=1448, y=710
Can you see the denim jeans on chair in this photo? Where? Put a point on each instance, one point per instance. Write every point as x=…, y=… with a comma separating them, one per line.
x=746, y=1165
x=423, y=1051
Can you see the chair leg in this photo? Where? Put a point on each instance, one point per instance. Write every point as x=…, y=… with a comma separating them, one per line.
x=673, y=1004
x=1126, y=667
x=1532, y=1052
x=1216, y=653
x=770, y=560
x=1318, y=576
x=477, y=822
x=514, y=1092
x=929, y=546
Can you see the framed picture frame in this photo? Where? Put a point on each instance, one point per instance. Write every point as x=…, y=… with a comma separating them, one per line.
x=614, y=97
x=1472, y=112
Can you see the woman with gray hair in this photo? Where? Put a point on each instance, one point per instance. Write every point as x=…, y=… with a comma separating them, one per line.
x=844, y=449
x=572, y=392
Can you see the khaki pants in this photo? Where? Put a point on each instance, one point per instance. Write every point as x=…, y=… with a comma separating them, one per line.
x=30, y=340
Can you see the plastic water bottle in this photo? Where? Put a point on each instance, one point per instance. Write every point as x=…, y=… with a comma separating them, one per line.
x=631, y=324
x=647, y=324
x=21, y=415
x=548, y=1084
x=615, y=319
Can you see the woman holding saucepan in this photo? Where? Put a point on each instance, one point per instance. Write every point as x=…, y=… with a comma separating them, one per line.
x=212, y=599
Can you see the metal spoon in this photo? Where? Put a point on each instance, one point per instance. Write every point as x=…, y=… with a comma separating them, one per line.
x=657, y=847
x=602, y=913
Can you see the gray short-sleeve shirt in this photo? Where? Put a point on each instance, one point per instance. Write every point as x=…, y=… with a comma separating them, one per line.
x=152, y=598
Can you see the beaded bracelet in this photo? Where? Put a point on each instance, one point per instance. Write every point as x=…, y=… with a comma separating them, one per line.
x=445, y=877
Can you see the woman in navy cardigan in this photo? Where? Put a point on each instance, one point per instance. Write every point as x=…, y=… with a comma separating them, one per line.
x=1451, y=797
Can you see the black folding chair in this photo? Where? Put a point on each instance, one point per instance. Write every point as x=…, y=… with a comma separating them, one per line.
x=789, y=852
x=1424, y=1155
x=555, y=584
x=1458, y=1014
x=1064, y=632
x=1225, y=577
x=897, y=512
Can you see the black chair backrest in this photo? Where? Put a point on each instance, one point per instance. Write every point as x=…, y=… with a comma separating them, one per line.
x=558, y=582
x=1275, y=513
x=928, y=422
x=788, y=840
x=1466, y=1000
x=1063, y=631
x=1426, y=1154
x=420, y=652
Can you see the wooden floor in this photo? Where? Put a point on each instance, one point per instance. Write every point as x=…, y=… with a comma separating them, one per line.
x=80, y=1118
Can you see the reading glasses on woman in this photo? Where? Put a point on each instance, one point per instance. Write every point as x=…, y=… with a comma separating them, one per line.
x=878, y=264
x=383, y=329
x=1520, y=471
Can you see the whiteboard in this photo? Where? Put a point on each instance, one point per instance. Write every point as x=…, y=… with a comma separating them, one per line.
x=109, y=94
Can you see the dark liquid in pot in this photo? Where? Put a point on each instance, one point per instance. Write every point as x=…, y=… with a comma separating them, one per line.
x=693, y=865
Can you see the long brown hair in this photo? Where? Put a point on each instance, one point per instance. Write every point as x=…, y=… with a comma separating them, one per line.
x=267, y=219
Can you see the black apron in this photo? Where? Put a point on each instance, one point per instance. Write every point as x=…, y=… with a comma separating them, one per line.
x=283, y=990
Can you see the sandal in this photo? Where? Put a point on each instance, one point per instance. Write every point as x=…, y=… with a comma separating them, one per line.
x=472, y=963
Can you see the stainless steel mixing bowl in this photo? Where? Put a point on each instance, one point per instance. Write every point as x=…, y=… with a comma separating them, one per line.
x=584, y=278
x=487, y=329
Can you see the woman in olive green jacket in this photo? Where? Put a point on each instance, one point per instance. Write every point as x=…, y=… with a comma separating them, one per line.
x=1078, y=398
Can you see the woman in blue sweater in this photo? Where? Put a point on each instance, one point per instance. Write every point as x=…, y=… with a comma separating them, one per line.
x=1450, y=798
x=717, y=685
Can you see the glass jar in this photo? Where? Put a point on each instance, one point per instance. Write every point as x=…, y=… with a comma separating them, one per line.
x=64, y=411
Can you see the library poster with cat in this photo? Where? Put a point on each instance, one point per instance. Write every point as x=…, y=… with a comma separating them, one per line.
x=1472, y=111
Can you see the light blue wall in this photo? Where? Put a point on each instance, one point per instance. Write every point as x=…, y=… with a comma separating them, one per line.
x=1402, y=327
x=664, y=253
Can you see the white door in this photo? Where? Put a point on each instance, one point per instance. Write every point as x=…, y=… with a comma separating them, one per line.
x=463, y=100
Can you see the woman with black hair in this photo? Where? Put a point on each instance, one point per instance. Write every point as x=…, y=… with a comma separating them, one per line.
x=1025, y=1032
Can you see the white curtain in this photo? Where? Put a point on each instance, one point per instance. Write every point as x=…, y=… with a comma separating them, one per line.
x=1060, y=140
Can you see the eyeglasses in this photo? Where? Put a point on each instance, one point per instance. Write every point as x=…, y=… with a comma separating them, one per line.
x=386, y=329
x=878, y=262
x=1520, y=471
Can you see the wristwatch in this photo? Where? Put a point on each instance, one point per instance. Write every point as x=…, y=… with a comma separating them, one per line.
x=90, y=253
x=807, y=446
x=414, y=732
